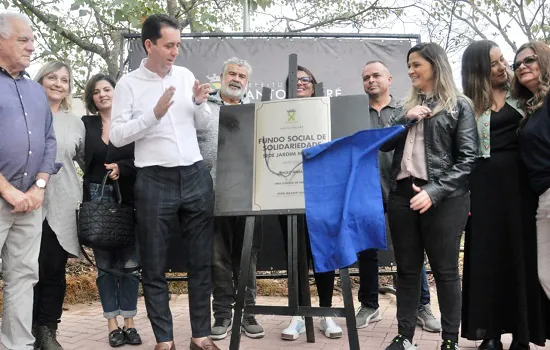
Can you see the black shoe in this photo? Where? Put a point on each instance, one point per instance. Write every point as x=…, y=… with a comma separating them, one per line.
x=449, y=345
x=132, y=336
x=34, y=332
x=46, y=338
x=490, y=344
x=518, y=346
x=117, y=338
x=401, y=343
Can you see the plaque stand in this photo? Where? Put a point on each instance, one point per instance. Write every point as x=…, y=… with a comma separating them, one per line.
x=299, y=298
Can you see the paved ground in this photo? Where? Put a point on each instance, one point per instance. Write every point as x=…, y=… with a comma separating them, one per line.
x=83, y=327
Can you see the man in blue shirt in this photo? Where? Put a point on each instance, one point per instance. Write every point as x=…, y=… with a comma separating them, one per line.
x=27, y=159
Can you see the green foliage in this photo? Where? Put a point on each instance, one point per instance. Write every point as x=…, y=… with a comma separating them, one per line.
x=87, y=33
x=460, y=21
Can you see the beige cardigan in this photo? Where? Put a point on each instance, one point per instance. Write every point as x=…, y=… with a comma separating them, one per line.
x=64, y=189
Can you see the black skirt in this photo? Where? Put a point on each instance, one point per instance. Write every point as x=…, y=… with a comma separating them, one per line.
x=501, y=291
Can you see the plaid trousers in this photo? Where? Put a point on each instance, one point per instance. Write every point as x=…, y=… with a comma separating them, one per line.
x=175, y=200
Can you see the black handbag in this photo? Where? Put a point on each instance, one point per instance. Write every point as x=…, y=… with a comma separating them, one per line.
x=106, y=226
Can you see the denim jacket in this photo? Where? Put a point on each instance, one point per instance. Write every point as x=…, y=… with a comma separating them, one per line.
x=484, y=127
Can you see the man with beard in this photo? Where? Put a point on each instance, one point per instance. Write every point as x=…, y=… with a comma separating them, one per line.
x=229, y=230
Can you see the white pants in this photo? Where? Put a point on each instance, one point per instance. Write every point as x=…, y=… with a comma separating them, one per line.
x=20, y=235
x=543, y=241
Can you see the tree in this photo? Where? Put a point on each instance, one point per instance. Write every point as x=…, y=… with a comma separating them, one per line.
x=323, y=15
x=88, y=33
x=456, y=22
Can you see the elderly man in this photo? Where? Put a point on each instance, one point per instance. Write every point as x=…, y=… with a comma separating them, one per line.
x=27, y=159
x=159, y=106
x=229, y=231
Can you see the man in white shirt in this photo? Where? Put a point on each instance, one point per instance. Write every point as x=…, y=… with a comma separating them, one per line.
x=160, y=106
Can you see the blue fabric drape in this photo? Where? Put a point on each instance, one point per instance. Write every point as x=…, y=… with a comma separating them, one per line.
x=343, y=195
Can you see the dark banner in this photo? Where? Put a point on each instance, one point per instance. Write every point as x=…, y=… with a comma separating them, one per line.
x=336, y=62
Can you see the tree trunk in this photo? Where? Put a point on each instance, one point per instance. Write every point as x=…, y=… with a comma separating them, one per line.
x=172, y=7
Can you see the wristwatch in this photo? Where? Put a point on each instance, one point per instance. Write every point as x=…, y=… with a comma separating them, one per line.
x=40, y=183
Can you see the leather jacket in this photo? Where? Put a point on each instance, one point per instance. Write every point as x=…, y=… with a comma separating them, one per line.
x=451, y=142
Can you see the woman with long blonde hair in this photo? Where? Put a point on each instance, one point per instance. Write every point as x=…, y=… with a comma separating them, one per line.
x=429, y=196
x=59, y=237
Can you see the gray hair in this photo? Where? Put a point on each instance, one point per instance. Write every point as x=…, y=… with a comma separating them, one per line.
x=51, y=67
x=239, y=62
x=5, y=25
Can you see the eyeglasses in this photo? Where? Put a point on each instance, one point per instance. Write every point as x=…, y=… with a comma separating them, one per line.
x=305, y=80
x=527, y=62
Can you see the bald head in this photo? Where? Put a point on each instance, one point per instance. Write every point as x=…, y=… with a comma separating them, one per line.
x=376, y=79
x=379, y=64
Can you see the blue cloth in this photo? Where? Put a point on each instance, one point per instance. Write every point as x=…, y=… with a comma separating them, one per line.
x=344, y=209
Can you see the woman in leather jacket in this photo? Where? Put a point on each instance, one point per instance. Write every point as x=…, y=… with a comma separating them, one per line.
x=429, y=196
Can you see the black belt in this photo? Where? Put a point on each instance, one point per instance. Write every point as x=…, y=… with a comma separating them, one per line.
x=411, y=180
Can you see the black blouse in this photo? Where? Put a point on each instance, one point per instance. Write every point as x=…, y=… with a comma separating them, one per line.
x=97, y=153
x=504, y=128
x=534, y=141
x=99, y=159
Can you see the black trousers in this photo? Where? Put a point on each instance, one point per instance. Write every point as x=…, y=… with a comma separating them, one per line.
x=226, y=261
x=369, y=285
x=49, y=292
x=437, y=232
x=325, y=280
x=368, y=278
x=177, y=200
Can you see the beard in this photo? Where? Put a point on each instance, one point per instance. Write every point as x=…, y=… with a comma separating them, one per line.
x=232, y=89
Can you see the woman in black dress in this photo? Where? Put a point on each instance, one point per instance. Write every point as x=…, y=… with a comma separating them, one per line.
x=118, y=293
x=501, y=291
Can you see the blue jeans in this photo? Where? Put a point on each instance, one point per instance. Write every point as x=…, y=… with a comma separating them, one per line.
x=424, y=288
x=118, y=294
x=368, y=280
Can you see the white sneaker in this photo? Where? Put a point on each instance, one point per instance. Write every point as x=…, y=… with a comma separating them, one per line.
x=296, y=327
x=330, y=328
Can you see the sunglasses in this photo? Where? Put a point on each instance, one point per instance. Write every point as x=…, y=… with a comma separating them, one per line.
x=527, y=62
x=305, y=80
